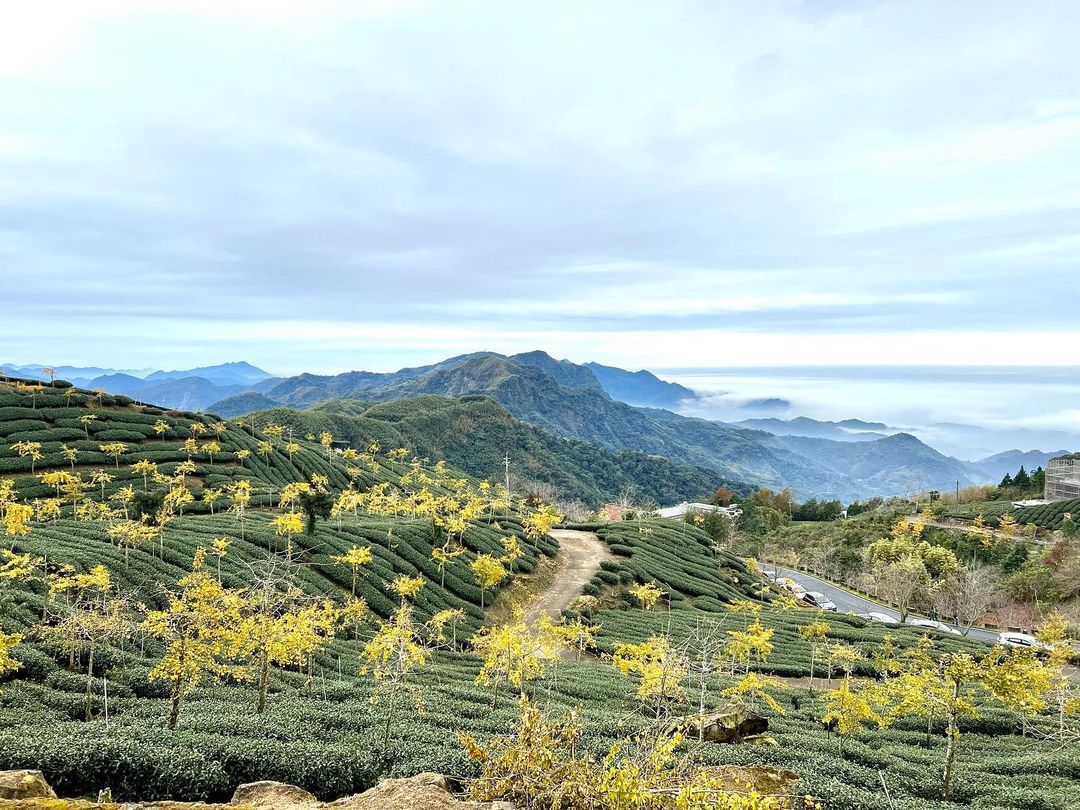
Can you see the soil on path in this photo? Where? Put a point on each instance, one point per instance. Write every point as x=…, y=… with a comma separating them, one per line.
x=579, y=557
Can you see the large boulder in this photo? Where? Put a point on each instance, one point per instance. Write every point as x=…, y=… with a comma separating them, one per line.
x=724, y=727
x=274, y=796
x=24, y=785
x=429, y=791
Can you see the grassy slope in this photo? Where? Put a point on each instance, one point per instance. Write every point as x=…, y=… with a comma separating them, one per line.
x=325, y=733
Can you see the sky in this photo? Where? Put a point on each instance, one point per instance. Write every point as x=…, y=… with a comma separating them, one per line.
x=328, y=186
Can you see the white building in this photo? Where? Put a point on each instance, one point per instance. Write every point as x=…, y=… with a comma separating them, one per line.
x=683, y=509
x=1063, y=478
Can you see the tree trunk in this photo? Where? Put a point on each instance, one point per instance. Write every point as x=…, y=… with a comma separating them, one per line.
x=90, y=683
x=951, y=735
x=174, y=712
x=389, y=717
x=264, y=680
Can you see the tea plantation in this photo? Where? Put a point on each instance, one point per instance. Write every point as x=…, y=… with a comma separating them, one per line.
x=324, y=723
x=1048, y=516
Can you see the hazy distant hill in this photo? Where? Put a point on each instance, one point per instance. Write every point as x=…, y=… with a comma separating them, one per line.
x=190, y=389
x=569, y=401
x=997, y=465
x=848, y=430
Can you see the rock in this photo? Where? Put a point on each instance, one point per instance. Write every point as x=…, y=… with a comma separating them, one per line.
x=725, y=727
x=429, y=791
x=24, y=785
x=273, y=796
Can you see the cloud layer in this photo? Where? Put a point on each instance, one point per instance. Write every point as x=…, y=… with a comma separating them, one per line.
x=335, y=185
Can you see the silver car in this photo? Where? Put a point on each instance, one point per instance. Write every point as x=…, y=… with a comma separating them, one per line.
x=819, y=600
x=879, y=618
x=941, y=627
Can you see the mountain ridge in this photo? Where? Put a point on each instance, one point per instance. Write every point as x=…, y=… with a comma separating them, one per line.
x=533, y=387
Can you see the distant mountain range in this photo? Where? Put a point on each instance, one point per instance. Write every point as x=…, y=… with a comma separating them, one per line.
x=616, y=410
x=190, y=389
x=849, y=430
x=613, y=410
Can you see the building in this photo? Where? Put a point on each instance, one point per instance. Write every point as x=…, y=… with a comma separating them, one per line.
x=1063, y=478
x=683, y=509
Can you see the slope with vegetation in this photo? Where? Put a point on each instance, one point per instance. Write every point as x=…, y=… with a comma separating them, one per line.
x=341, y=635
x=570, y=401
x=475, y=434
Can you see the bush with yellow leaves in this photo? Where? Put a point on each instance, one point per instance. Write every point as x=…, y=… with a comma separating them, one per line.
x=539, y=766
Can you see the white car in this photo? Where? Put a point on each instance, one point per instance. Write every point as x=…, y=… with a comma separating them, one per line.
x=792, y=587
x=819, y=600
x=941, y=627
x=1012, y=639
x=879, y=618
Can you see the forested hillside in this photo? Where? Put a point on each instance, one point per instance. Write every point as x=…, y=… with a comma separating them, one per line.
x=475, y=433
x=591, y=403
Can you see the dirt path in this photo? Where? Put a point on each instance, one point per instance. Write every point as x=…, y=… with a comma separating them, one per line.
x=579, y=557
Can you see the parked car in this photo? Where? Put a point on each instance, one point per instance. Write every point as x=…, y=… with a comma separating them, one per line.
x=941, y=627
x=819, y=600
x=792, y=587
x=1013, y=639
x=879, y=618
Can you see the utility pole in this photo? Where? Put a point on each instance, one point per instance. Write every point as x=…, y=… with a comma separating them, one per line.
x=957, y=493
x=506, y=463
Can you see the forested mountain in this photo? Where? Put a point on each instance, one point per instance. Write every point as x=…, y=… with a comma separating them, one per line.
x=895, y=464
x=475, y=433
x=573, y=402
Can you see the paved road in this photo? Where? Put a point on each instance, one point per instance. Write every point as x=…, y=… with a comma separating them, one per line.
x=847, y=602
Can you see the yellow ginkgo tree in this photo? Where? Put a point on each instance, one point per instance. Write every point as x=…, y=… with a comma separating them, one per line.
x=392, y=656
x=355, y=557
x=489, y=572
x=204, y=632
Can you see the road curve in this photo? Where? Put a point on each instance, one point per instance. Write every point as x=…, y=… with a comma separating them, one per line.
x=848, y=602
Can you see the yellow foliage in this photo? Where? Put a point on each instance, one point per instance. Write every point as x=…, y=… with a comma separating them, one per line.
x=660, y=669
x=647, y=594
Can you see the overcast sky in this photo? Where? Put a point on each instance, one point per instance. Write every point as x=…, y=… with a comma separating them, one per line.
x=323, y=186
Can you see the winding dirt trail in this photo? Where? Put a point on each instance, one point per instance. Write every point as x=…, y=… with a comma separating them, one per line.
x=579, y=557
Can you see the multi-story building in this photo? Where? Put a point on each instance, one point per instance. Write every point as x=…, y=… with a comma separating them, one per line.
x=1063, y=478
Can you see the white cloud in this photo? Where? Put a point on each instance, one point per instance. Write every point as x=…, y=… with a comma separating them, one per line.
x=762, y=182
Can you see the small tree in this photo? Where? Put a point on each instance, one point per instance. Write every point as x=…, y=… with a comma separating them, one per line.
x=815, y=634
x=114, y=450
x=282, y=629
x=354, y=558
x=391, y=657
x=514, y=653
x=240, y=497
x=211, y=448
x=489, y=572
x=30, y=450
x=659, y=668
x=86, y=420
x=203, y=629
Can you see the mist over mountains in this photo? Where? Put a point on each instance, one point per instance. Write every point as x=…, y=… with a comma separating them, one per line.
x=612, y=409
